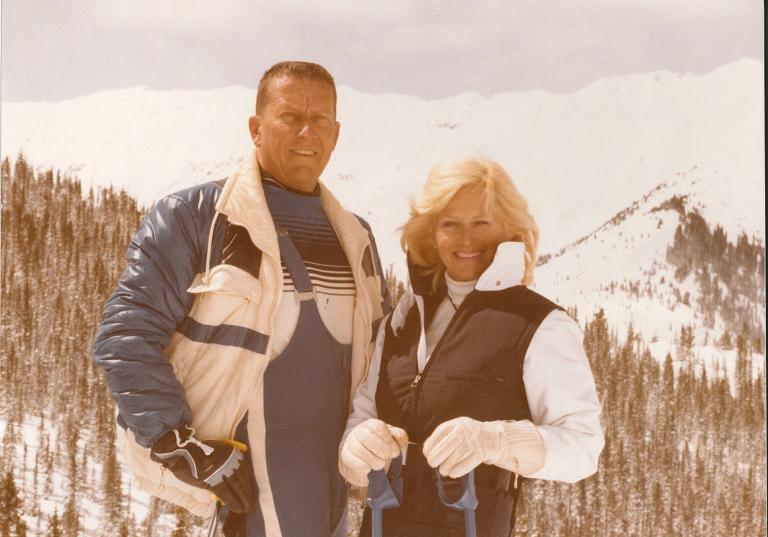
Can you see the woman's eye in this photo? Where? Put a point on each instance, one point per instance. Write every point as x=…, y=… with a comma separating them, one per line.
x=448, y=224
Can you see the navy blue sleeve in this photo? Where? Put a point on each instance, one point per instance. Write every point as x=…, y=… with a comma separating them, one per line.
x=151, y=299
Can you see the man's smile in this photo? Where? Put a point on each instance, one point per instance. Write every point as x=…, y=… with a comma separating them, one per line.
x=304, y=152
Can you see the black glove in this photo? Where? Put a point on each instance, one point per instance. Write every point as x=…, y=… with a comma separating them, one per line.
x=216, y=465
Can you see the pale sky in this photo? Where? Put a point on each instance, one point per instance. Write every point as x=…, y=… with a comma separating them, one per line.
x=58, y=49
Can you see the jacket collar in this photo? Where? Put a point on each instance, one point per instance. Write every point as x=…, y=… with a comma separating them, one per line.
x=243, y=202
x=506, y=270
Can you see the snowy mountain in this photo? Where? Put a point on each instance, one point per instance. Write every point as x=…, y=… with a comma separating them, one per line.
x=579, y=159
x=623, y=268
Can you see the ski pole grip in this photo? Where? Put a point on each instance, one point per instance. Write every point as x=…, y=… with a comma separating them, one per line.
x=383, y=494
x=467, y=503
x=468, y=498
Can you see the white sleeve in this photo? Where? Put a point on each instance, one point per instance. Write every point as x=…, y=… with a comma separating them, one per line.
x=364, y=400
x=563, y=400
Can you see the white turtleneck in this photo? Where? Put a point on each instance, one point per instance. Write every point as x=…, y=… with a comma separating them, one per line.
x=457, y=292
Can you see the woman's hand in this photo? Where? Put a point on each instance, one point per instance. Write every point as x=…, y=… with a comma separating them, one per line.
x=370, y=446
x=459, y=445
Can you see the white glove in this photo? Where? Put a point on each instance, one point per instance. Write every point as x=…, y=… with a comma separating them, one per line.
x=371, y=445
x=459, y=445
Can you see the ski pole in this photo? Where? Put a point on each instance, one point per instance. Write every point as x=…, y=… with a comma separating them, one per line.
x=467, y=502
x=384, y=492
x=215, y=519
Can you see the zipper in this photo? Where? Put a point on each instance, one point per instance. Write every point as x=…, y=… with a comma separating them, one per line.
x=517, y=469
x=276, y=299
x=273, y=308
x=417, y=381
x=210, y=245
x=465, y=376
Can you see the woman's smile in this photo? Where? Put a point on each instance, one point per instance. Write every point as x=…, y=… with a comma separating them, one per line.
x=466, y=236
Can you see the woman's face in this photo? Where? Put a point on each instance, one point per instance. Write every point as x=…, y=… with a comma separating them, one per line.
x=467, y=236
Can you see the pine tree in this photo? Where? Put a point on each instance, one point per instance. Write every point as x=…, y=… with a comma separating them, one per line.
x=396, y=287
x=112, y=487
x=54, y=526
x=182, y=523
x=11, y=522
x=71, y=518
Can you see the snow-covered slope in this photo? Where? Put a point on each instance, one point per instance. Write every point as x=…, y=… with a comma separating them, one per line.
x=621, y=266
x=40, y=475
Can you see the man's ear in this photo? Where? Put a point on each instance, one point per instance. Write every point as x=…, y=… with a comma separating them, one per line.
x=337, y=128
x=254, y=126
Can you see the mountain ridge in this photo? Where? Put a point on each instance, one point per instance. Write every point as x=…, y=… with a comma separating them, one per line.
x=596, y=149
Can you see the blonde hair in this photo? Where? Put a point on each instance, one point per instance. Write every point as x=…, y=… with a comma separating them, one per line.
x=503, y=202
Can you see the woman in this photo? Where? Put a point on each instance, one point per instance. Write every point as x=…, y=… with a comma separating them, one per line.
x=472, y=370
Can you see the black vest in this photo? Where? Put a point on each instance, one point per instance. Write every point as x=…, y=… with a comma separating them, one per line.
x=475, y=370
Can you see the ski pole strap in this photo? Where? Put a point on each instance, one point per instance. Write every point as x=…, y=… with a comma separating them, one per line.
x=385, y=491
x=467, y=502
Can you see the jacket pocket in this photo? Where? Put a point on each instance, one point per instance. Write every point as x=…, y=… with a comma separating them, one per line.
x=219, y=351
x=227, y=310
x=483, y=396
x=228, y=280
x=230, y=298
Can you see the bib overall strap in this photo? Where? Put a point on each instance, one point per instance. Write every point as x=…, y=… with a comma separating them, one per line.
x=295, y=265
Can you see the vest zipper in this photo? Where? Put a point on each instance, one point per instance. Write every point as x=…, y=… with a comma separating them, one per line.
x=416, y=383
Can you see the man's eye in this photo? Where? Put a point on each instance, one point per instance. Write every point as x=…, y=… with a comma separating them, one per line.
x=288, y=117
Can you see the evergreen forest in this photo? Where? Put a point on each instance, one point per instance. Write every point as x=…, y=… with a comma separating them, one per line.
x=685, y=450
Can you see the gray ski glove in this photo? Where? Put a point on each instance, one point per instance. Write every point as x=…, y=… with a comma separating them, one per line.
x=217, y=465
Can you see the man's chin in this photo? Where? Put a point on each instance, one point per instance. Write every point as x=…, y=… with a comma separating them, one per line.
x=303, y=179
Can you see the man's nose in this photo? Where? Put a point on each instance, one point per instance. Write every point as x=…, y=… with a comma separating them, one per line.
x=306, y=130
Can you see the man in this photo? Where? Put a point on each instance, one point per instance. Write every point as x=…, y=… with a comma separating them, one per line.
x=244, y=320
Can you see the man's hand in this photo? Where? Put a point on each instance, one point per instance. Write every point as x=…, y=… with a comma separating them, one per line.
x=216, y=465
x=370, y=446
x=459, y=445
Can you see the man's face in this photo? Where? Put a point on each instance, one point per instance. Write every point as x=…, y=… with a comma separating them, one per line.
x=296, y=131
